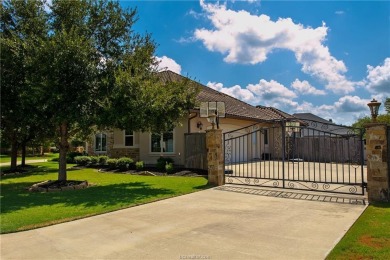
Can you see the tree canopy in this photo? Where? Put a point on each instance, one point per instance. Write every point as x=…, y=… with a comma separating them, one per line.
x=89, y=68
x=382, y=118
x=22, y=25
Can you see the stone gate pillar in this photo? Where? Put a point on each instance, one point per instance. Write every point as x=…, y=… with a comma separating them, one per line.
x=215, y=157
x=378, y=186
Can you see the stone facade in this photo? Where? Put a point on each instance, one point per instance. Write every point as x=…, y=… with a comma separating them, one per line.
x=133, y=153
x=112, y=152
x=215, y=157
x=378, y=186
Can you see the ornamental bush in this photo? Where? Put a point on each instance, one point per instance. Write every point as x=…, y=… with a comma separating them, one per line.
x=169, y=168
x=139, y=165
x=94, y=160
x=82, y=160
x=70, y=156
x=112, y=163
x=103, y=160
x=125, y=163
x=162, y=161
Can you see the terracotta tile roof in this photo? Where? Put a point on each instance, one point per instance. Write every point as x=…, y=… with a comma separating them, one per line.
x=233, y=106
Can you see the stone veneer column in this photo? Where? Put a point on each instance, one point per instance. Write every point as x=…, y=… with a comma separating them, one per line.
x=215, y=157
x=378, y=186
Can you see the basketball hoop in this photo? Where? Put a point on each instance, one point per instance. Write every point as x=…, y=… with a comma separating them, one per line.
x=212, y=110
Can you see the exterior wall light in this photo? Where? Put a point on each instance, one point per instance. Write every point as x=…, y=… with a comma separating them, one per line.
x=374, y=108
x=199, y=125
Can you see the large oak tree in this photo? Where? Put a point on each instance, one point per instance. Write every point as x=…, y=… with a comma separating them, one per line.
x=93, y=69
x=22, y=26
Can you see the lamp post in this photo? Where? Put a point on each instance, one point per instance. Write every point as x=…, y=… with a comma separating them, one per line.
x=374, y=108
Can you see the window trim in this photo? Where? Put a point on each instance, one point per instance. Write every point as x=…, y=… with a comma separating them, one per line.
x=95, y=143
x=266, y=137
x=161, y=152
x=124, y=139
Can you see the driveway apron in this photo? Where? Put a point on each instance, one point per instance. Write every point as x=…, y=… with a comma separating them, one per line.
x=210, y=224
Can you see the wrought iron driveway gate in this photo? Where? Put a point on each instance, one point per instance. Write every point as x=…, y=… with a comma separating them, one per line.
x=305, y=155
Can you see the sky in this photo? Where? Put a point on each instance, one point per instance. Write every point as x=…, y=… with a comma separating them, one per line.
x=329, y=58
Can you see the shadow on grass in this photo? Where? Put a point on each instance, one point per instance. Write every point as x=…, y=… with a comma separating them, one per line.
x=15, y=197
x=385, y=205
x=30, y=170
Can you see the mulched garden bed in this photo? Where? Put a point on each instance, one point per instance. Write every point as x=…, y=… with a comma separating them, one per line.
x=19, y=170
x=49, y=185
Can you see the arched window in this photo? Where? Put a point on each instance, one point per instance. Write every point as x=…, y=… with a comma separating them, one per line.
x=100, y=142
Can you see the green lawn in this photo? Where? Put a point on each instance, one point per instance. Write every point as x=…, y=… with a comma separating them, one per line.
x=369, y=237
x=6, y=158
x=23, y=210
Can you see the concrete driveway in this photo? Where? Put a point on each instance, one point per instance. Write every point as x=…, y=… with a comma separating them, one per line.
x=221, y=223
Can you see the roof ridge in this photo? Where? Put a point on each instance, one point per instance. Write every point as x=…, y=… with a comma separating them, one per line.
x=209, y=88
x=234, y=106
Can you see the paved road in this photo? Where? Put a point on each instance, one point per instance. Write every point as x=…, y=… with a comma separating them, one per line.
x=211, y=224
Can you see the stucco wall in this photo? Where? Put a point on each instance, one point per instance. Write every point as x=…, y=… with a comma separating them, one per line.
x=178, y=151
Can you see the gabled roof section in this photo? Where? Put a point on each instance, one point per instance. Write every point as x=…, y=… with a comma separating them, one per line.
x=312, y=117
x=330, y=126
x=234, y=107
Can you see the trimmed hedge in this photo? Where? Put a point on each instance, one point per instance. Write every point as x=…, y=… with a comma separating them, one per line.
x=103, y=159
x=82, y=160
x=139, y=165
x=125, y=163
x=112, y=163
x=169, y=168
x=70, y=156
x=162, y=161
x=94, y=160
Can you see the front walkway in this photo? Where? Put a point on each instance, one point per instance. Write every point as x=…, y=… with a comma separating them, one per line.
x=211, y=224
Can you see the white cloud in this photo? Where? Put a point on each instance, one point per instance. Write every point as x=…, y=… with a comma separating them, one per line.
x=305, y=88
x=339, y=12
x=378, y=78
x=271, y=90
x=344, y=111
x=235, y=91
x=166, y=63
x=246, y=38
x=351, y=104
x=266, y=93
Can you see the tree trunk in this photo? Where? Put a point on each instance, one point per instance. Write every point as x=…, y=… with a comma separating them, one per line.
x=14, y=152
x=64, y=147
x=23, y=154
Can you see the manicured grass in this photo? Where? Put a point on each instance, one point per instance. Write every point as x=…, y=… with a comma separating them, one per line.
x=369, y=237
x=6, y=158
x=22, y=210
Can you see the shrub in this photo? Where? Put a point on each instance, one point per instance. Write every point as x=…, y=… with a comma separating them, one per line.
x=169, y=168
x=82, y=160
x=125, y=163
x=162, y=161
x=70, y=156
x=139, y=165
x=112, y=163
x=103, y=159
x=94, y=160
x=55, y=159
